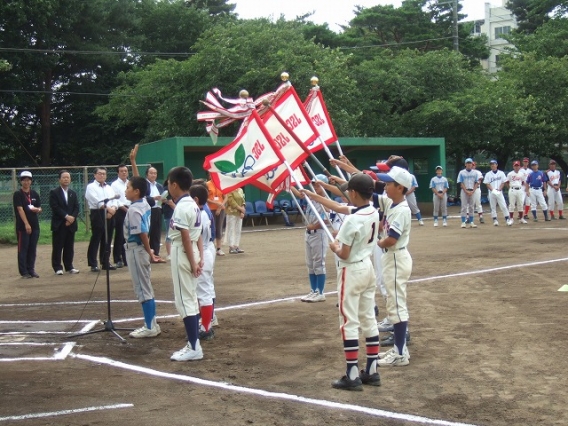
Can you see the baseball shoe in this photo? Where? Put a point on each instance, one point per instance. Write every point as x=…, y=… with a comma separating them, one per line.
x=393, y=359
x=472, y=225
x=316, y=298
x=385, y=325
x=552, y=218
x=59, y=272
x=110, y=267
x=495, y=222
x=535, y=220
x=95, y=269
x=421, y=222
x=389, y=341
x=463, y=225
x=73, y=271
x=309, y=296
x=233, y=251
x=34, y=274
x=146, y=332
x=345, y=383
x=239, y=250
x=119, y=264
x=547, y=219
x=445, y=223
x=187, y=353
x=214, y=321
x=405, y=352
x=561, y=218
x=522, y=221
x=290, y=224
x=370, y=379
x=435, y=223
x=27, y=276
x=481, y=220
x=206, y=335
x=510, y=222
x=220, y=252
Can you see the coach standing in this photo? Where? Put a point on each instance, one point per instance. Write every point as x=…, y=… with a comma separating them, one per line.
x=65, y=209
x=96, y=192
x=27, y=206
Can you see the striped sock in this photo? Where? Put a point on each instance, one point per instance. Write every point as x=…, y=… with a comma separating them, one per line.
x=373, y=348
x=351, y=348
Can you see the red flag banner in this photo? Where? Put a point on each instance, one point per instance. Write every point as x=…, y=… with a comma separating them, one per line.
x=266, y=181
x=285, y=185
x=315, y=106
x=250, y=155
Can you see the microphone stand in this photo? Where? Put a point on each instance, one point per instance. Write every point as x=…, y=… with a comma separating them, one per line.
x=108, y=324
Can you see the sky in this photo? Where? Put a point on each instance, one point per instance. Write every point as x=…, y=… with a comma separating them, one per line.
x=334, y=12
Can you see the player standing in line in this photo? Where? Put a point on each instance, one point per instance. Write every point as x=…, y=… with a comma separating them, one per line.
x=316, y=245
x=411, y=200
x=516, y=179
x=139, y=255
x=397, y=262
x=439, y=185
x=536, y=185
x=478, y=207
x=187, y=255
x=468, y=180
x=495, y=180
x=205, y=285
x=356, y=286
x=527, y=171
x=553, y=192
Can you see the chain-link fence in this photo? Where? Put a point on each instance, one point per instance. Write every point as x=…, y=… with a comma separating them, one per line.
x=44, y=180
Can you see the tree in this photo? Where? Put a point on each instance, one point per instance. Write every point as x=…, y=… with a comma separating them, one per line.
x=531, y=14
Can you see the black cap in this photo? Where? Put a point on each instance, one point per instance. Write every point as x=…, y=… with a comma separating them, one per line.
x=361, y=183
x=398, y=162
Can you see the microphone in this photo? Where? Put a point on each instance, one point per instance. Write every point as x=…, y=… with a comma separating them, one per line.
x=106, y=200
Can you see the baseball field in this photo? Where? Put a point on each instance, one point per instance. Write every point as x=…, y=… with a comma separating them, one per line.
x=488, y=339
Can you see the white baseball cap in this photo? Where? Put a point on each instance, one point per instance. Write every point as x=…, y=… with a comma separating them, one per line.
x=398, y=175
x=26, y=174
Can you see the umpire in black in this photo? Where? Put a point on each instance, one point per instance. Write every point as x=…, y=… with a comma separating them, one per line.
x=64, y=211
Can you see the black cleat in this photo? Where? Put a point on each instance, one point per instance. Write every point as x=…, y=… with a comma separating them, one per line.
x=95, y=269
x=206, y=335
x=370, y=379
x=389, y=341
x=346, y=383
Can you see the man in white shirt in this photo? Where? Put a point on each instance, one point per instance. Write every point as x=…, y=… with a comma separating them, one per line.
x=119, y=187
x=100, y=212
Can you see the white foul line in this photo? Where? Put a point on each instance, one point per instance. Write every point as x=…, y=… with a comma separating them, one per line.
x=59, y=355
x=64, y=412
x=277, y=395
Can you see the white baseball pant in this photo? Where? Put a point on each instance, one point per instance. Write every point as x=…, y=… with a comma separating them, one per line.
x=499, y=199
x=397, y=267
x=467, y=204
x=554, y=199
x=516, y=200
x=440, y=203
x=411, y=200
x=185, y=284
x=378, y=265
x=478, y=208
x=205, y=287
x=537, y=197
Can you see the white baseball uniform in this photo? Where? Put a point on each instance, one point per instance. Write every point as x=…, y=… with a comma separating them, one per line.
x=397, y=262
x=495, y=180
x=439, y=184
x=478, y=208
x=205, y=286
x=516, y=190
x=526, y=198
x=411, y=198
x=186, y=216
x=553, y=191
x=469, y=179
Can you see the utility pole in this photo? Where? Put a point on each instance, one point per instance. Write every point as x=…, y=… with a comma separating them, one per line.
x=456, y=35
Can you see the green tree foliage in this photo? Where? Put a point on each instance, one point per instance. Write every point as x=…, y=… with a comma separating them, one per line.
x=531, y=14
x=550, y=39
x=164, y=97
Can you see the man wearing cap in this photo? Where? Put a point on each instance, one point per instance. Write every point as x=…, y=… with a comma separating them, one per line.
x=516, y=179
x=315, y=243
x=27, y=206
x=439, y=186
x=553, y=192
x=468, y=181
x=477, y=206
x=495, y=180
x=536, y=185
x=525, y=168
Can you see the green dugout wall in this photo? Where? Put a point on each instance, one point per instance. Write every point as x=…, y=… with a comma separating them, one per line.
x=422, y=154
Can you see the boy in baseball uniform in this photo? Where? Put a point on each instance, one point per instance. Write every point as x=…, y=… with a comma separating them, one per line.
x=495, y=180
x=525, y=168
x=516, y=179
x=411, y=200
x=186, y=262
x=205, y=285
x=553, y=192
x=468, y=180
x=139, y=255
x=477, y=206
x=397, y=262
x=356, y=284
x=439, y=186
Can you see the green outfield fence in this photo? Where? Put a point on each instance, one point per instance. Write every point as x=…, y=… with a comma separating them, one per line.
x=44, y=180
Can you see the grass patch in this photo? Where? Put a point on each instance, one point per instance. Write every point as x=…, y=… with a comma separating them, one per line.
x=8, y=233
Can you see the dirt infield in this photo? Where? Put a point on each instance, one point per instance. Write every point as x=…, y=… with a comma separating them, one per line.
x=488, y=339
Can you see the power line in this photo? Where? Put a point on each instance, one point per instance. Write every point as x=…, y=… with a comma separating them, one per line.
x=73, y=93
x=393, y=44
x=93, y=52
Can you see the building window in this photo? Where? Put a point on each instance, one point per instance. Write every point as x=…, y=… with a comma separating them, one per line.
x=497, y=61
x=499, y=31
x=477, y=27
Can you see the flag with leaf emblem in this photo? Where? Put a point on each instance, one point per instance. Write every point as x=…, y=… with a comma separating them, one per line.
x=247, y=157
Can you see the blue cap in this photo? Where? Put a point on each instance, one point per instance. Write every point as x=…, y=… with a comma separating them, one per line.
x=534, y=162
x=493, y=162
x=468, y=160
x=323, y=178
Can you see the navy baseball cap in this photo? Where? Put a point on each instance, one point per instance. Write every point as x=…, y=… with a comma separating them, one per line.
x=398, y=175
x=534, y=163
x=493, y=162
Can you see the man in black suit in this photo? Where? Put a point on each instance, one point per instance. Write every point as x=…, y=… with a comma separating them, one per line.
x=65, y=209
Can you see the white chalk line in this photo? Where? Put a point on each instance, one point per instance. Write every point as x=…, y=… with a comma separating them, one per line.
x=267, y=394
x=60, y=355
x=65, y=412
x=23, y=305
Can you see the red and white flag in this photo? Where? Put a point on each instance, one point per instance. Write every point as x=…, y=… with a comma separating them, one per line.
x=315, y=106
x=243, y=160
x=262, y=183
